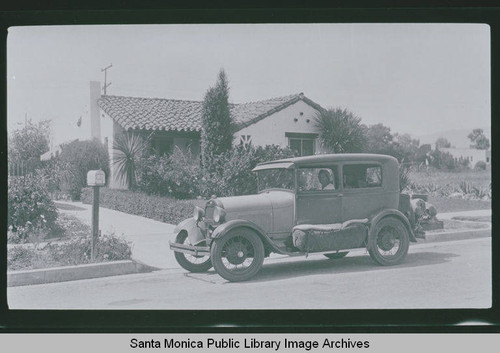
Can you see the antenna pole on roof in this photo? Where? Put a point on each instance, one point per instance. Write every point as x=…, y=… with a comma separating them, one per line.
x=106, y=84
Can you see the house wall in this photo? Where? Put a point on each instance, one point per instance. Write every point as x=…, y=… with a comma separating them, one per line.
x=473, y=155
x=272, y=129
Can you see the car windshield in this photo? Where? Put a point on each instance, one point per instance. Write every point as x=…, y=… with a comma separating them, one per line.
x=278, y=178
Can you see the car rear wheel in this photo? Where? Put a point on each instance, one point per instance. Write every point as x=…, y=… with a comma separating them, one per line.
x=238, y=255
x=192, y=263
x=389, y=242
x=337, y=255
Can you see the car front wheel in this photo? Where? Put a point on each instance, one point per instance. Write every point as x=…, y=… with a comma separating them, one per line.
x=238, y=255
x=192, y=263
x=389, y=241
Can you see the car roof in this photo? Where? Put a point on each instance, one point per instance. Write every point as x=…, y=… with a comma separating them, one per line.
x=339, y=157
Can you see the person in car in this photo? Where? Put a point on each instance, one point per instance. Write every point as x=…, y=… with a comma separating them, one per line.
x=324, y=180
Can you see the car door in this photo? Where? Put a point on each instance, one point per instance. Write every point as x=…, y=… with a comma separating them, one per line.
x=363, y=191
x=317, y=203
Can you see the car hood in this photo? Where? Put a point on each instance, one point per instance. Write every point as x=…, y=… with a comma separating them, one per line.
x=257, y=208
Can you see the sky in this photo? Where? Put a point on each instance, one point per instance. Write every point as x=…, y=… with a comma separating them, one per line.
x=414, y=78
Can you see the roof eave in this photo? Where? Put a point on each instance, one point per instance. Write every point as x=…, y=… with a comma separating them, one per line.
x=292, y=101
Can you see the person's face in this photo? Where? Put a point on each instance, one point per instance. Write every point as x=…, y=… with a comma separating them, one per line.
x=324, y=179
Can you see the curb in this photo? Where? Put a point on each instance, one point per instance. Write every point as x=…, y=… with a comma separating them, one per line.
x=456, y=235
x=73, y=273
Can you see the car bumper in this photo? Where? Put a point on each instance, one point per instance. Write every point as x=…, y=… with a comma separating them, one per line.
x=190, y=249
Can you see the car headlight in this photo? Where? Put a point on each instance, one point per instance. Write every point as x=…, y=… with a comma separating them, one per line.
x=219, y=214
x=198, y=213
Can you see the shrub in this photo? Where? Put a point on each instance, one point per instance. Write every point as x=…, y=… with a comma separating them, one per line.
x=78, y=250
x=404, y=176
x=442, y=160
x=29, y=205
x=22, y=257
x=481, y=165
x=233, y=172
x=80, y=157
x=150, y=175
x=128, y=148
x=177, y=175
x=163, y=209
x=181, y=176
x=59, y=175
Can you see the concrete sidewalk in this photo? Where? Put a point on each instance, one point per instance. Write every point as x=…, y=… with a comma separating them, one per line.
x=150, y=238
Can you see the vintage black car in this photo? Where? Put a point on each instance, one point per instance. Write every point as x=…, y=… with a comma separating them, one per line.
x=317, y=204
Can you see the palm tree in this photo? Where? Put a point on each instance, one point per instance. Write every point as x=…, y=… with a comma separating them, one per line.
x=340, y=131
x=128, y=147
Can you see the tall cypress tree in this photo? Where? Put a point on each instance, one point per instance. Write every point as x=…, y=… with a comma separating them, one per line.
x=217, y=123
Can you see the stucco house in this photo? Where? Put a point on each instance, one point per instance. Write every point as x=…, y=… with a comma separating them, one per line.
x=470, y=154
x=284, y=121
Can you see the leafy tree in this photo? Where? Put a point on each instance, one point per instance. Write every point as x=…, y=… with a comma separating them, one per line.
x=479, y=140
x=340, y=131
x=442, y=160
x=379, y=139
x=28, y=143
x=405, y=147
x=80, y=157
x=442, y=143
x=128, y=147
x=217, y=122
x=423, y=153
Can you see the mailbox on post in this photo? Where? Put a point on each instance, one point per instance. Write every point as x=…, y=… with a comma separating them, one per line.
x=96, y=179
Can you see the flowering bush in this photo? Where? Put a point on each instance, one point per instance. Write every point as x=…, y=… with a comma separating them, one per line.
x=78, y=250
x=181, y=176
x=177, y=175
x=75, y=251
x=29, y=206
x=233, y=172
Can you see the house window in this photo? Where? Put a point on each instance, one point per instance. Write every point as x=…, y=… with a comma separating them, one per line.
x=163, y=145
x=303, y=144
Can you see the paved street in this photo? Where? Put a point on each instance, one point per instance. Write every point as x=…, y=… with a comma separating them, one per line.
x=453, y=274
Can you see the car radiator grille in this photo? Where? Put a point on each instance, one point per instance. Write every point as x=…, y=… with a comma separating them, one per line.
x=209, y=213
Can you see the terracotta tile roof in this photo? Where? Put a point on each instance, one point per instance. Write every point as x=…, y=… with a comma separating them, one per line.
x=181, y=115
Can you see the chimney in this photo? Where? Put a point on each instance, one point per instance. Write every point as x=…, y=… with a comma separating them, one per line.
x=95, y=119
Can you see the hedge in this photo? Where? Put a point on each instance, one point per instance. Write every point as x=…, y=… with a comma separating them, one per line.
x=163, y=209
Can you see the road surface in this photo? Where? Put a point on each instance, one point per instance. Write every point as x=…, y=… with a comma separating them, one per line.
x=454, y=274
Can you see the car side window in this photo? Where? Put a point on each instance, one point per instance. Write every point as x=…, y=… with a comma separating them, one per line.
x=357, y=176
x=318, y=179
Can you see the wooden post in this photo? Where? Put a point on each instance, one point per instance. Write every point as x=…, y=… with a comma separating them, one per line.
x=95, y=223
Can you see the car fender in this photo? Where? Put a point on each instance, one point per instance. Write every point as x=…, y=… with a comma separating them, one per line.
x=191, y=227
x=377, y=216
x=224, y=228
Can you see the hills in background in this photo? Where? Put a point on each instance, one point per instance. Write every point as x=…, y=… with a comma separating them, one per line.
x=457, y=137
